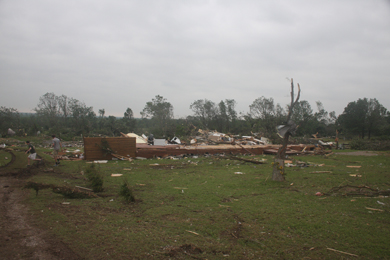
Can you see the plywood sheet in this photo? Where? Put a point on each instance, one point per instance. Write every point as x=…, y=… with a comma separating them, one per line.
x=120, y=145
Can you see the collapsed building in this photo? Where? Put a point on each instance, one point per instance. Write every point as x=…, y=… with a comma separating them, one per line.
x=132, y=145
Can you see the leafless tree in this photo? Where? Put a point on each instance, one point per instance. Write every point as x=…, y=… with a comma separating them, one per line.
x=288, y=129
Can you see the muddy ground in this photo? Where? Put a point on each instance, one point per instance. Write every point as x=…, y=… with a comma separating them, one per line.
x=20, y=236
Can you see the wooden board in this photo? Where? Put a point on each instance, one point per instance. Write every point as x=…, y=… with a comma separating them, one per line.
x=120, y=145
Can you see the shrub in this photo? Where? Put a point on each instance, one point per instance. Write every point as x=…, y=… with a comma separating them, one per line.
x=95, y=178
x=126, y=192
x=358, y=144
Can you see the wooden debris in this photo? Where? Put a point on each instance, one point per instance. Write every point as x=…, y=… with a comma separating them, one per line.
x=342, y=252
x=116, y=174
x=189, y=231
x=121, y=157
x=374, y=209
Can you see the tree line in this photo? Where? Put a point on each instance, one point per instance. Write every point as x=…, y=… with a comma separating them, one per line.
x=68, y=117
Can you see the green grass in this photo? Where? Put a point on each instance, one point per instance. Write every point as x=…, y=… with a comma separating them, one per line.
x=199, y=208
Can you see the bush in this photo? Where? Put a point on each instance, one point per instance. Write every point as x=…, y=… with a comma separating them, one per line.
x=358, y=144
x=126, y=192
x=95, y=178
x=371, y=145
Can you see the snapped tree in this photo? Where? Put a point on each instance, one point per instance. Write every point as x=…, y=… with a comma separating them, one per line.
x=285, y=132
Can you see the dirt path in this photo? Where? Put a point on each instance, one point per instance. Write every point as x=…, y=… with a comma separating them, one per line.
x=20, y=238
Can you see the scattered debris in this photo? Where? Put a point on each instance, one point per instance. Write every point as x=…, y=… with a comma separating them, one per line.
x=116, y=174
x=100, y=161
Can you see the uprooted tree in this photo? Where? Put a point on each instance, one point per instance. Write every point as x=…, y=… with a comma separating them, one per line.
x=285, y=131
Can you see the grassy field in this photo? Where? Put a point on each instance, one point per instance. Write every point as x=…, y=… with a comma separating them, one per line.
x=219, y=208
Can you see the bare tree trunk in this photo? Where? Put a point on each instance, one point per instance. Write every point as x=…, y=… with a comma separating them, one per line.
x=278, y=167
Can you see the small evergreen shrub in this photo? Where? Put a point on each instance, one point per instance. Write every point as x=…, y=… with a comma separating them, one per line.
x=126, y=192
x=95, y=178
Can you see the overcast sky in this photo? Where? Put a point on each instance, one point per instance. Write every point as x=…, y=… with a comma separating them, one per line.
x=122, y=53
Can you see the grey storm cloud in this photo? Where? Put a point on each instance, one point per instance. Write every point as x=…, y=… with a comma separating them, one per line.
x=119, y=54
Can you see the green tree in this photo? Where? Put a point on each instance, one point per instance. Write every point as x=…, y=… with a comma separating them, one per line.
x=354, y=117
x=161, y=112
x=9, y=118
x=264, y=112
x=304, y=117
x=376, y=117
x=129, y=121
x=81, y=116
x=364, y=116
x=48, y=109
x=205, y=111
